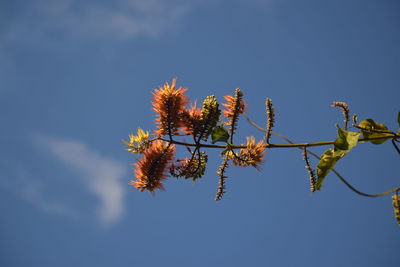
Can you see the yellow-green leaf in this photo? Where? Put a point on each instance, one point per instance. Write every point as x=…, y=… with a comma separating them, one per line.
x=343, y=144
x=219, y=134
x=325, y=165
x=368, y=126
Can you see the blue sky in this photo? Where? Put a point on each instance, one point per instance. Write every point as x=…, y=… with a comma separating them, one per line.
x=76, y=78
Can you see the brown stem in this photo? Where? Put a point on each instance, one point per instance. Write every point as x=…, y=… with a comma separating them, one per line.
x=336, y=172
x=395, y=146
x=324, y=143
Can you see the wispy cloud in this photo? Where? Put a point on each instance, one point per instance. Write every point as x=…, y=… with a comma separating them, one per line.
x=17, y=179
x=124, y=19
x=33, y=192
x=101, y=175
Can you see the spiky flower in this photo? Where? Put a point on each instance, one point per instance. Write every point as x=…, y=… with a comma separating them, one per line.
x=169, y=103
x=191, y=120
x=233, y=108
x=252, y=155
x=209, y=116
x=270, y=118
x=200, y=122
x=138, y=143
x=313, y=179
x=396, y=206
x=151, y=167
x=345, y=111
x=222, y=178
x=190, y=168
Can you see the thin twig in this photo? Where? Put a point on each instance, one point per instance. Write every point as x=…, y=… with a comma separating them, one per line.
x=395, y=146
x=374, y=130
x=290, y=145
x=336, y=172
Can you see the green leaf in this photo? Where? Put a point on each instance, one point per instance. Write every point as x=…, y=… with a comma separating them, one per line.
x=368, y=126
x=325, y=165
x=343, y=144
x=219, y=134
x=398, y=118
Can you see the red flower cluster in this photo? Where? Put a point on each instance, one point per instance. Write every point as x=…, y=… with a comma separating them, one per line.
x=151, y=167
x=252, y=155
x=234, y=106
x=191, y=120
x=173, y=119
x=169, y=103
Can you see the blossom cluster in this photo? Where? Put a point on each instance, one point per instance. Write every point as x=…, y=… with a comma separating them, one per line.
x=174, y=119
x=252, y=155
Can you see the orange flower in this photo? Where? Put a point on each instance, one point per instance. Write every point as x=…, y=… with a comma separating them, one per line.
x=252, y=155
x=151, y=168
x=169, y=103
x=234, y=106
x=199, y=123
x=191, y=120
x=190, y=168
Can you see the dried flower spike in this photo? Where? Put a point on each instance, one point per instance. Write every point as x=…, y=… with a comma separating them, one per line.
x=169, y=103
x=313, y=179
x=151, y=167
x=345, y=111
x=222, y=178
x=396, y=206
x=233, y=108
x=270, y=118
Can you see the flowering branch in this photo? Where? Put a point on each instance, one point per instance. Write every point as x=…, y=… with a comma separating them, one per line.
x=174, y=119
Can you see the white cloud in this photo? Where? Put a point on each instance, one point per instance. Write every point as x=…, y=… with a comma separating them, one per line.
x=117, y=19
x=101, y=175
